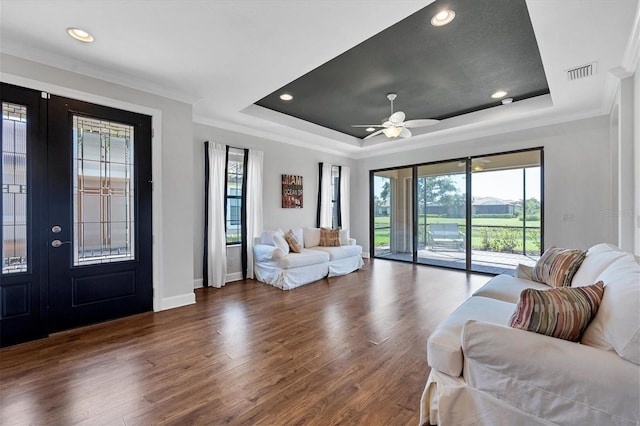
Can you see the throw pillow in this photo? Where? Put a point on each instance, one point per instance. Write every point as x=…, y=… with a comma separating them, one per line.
x=329, y=237
x=281, y=243
x=344, y=237
x=562, y=312
x=523, y=271
x=293, y=242
x=311, y=237
x=557, y=266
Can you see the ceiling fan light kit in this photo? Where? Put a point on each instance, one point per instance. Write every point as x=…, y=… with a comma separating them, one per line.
x=391, y=132
x=395, y=126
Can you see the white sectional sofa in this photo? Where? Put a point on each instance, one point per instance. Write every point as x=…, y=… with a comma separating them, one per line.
x=287, y=270
x=484, y=372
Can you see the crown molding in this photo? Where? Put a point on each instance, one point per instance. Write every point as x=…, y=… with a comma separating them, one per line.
x=239, y=128
x=79, y=67
x=632, y=52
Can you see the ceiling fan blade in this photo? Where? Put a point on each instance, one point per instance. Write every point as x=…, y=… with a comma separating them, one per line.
x=376, y=133
x=366, y=125
x=397, y=117
x=420, y=123
x=405, y=133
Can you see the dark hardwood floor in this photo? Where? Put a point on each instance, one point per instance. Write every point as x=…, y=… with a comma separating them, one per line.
x=345, y=350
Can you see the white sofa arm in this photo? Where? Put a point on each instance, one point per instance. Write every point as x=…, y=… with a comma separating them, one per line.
x=561, y=381
x=263, y=252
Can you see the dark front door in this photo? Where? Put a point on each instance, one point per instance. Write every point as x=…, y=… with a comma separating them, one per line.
x=99, y=199
x=23, y=297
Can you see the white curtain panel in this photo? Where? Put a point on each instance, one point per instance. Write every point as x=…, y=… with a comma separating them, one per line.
x=326, y=196
x=217, y=256
x=254, y=203
x=345, y=195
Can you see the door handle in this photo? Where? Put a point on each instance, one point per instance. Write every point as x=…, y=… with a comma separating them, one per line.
x=58, y=243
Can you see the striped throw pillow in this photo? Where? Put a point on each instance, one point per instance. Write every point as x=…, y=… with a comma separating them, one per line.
x=329, y=237
x=557, y=266
x=563, y=312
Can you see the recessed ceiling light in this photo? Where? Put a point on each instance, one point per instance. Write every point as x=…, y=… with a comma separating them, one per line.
x=506, y=101
x=286, y=97
x=80, y=34
x=443, y=17
x=370, y=129
x=499, y=94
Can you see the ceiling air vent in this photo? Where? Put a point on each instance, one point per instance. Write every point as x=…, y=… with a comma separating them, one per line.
x=582, y=71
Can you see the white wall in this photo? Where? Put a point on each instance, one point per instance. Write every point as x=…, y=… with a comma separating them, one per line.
x=172, y=169
x=625, y=164
x=636, y=156
x=577, y=174
x=279, y=158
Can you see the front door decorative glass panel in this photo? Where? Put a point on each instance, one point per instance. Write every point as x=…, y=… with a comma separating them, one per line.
x=14, y=188
x=103, y=214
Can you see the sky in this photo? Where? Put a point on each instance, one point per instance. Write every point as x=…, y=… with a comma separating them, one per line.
x=505, y=184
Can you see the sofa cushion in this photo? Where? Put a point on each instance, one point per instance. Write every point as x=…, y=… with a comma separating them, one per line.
x=617, y=324
x=304, y=258
x=341, y=252
x=280, y=242
x=311, y=237
x=598, y=258
x=444, y=347
x=507, y=288
x=556, y=267
x=329, y=237
x=562, y=312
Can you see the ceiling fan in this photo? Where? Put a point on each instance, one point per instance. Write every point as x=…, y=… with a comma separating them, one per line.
x=395, y=126
x=477, y=164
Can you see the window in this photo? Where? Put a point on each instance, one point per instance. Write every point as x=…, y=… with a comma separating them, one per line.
x=335, y=195
x=234, y=188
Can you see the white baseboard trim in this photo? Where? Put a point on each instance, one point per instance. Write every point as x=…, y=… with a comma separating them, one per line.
x=234, y=276
x=177, y=301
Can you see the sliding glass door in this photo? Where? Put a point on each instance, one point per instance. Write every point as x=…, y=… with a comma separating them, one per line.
x=482, y=214
x=392, y=206
x=441, y=214
x=505, y=211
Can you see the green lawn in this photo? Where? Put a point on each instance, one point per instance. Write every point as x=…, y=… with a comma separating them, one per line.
x=382, y=221
x=485, y=234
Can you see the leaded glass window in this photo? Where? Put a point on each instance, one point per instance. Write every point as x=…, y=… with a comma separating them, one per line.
x=14, y=188
x=103, y=165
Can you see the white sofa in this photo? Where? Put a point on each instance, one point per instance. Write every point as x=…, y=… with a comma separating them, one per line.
x=484, y=372
x=290, y=270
